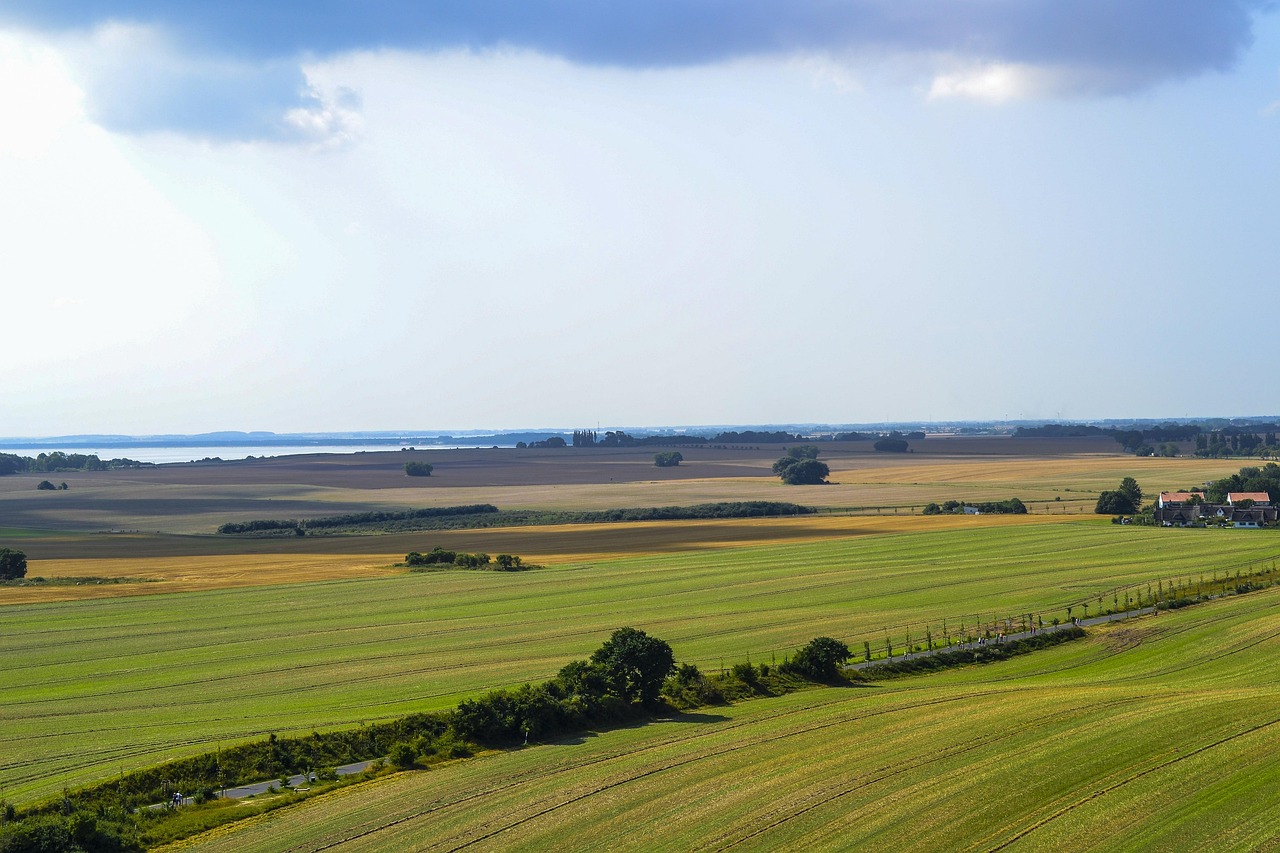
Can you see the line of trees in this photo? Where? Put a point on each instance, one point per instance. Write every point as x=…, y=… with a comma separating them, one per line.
x=1012, y=506
x=1250, y=478
x=356, y=519
x=487, y=515
x=443, y=557
x=48, y=463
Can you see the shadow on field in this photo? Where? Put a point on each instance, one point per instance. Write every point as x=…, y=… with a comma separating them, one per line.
x=574, y=740
x=694, y=717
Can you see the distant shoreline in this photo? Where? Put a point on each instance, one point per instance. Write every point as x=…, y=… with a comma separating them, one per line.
x=183, y=452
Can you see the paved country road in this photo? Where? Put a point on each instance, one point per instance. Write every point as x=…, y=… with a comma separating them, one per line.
x=256, y=788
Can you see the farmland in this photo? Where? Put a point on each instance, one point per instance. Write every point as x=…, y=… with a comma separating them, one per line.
x=91, y=686
x=218, y=639
x=1153, y=735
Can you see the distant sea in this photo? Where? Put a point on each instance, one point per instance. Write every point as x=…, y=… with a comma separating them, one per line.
x=160, y=454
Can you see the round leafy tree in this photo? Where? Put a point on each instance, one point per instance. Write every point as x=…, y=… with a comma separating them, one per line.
x=635, y=664
x=801, y=472
x=820, y=659
x=13, y=564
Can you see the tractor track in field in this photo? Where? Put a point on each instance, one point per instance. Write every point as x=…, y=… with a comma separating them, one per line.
x=520, y=778
x=889, y=771
x=834, y=792
x=1065, y=810
x=709, y=753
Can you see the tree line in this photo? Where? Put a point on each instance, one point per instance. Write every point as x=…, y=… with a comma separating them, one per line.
x=355, y=519
x=1012, y=506
x=48, y=463
x=1259, y=439
x=487, y=515
x=443, y=557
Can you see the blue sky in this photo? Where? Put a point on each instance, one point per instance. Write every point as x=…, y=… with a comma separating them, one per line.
x=499, y=214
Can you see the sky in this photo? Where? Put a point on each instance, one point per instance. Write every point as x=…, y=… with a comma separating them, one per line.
x=494, y=214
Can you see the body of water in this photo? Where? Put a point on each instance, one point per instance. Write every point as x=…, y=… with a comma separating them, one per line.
x=161, y=454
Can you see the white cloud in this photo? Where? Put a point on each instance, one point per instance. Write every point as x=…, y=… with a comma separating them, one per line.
x=994, y=83
x=37, y=100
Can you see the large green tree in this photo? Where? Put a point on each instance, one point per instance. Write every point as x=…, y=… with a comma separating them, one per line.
x=668, y=459
x=1124, y=500
x=801, y=472
x=13, y=564
x=634, y=664
x=1129, y=488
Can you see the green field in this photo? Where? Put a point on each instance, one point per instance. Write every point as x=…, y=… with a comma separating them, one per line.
x=92, y=688
x=1154, y=735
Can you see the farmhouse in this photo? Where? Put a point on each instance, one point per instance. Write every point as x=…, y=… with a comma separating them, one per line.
x=1242, y=509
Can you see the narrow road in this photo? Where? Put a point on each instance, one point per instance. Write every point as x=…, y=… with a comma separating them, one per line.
x=256, y=788
x=1022, y=635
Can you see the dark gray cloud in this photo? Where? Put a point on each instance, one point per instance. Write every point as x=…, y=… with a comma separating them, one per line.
x=1127, y=44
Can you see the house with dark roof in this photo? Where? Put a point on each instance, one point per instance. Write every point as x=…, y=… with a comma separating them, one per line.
x=1242, y=509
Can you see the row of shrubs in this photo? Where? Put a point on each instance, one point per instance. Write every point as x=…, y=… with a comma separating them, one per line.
x=488, y=515
x=355, y=519
x=441, y=557
x=1012, y=506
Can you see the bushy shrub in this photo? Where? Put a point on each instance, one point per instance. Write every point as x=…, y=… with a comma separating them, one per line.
x=819, y=660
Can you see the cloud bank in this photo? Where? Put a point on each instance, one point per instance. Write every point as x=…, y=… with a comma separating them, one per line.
x=234, y=68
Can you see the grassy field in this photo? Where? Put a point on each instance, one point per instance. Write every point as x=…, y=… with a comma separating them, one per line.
x=189, y=563
x=1154, y=735
x=93, y=687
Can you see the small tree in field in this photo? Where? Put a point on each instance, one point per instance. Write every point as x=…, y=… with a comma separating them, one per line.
x=13, y=564
x=669, y=459
x=820, y=659
x=801, y=472
x=418, y=469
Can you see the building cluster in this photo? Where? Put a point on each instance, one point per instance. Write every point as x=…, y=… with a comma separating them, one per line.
x=1242, y=509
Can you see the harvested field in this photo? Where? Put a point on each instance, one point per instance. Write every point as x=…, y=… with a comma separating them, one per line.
x=1060, y=477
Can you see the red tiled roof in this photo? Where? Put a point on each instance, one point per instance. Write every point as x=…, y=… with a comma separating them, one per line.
x=1256, y=497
